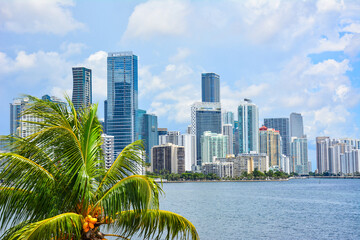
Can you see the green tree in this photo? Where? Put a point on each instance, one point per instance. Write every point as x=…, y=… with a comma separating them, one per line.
x=55, y=186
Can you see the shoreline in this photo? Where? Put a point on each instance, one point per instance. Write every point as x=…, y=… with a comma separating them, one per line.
x=336, y=177
x=202, y=181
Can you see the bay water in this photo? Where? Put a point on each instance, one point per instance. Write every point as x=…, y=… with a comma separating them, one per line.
x=294, y=209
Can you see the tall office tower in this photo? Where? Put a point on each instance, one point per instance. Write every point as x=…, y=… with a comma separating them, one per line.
x=228, y=118
x=296, y=125
x=168, y=157
x=322, y=154
x=213, y=145
x=139, y=123
x=188, y=141
x=108, y=149
x=122, y=98
x=282, y=125
x=229, y=132
x=205, y=116
x=82, y=87
x=270, y=143
x=15, y=109
x=248, y=116
x=210, y=87
x=299, y=155
x=149, y=133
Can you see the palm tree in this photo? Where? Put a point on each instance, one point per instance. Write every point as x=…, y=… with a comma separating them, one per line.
x=55, y=185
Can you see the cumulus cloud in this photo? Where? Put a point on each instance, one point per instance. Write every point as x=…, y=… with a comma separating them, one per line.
x=35, y=16
x=157, y=17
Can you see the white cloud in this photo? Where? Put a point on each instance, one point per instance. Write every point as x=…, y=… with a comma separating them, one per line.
x=157, y=17
x=97, y=63
x=34, y=16
x=182, y=53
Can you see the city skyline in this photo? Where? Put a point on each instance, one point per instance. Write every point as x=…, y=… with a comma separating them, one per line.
x=304, y=61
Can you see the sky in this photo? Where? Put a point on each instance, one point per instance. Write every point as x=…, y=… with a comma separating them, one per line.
x=287, y=56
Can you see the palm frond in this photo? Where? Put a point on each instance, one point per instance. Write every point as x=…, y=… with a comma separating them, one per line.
x=128, y=162
x=63, y=226
x=153, y=224
x=135, y=192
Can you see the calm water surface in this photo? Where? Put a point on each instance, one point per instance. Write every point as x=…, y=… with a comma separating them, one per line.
x=295, y=209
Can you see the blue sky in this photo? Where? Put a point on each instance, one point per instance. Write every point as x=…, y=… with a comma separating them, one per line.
x=287, y=56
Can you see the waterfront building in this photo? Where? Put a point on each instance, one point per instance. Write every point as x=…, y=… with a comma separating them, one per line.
x=296, y=125
x=282, y=125
x=149, y=133
x=205, y=116
x=248, y=162
x=213, y=145
x=337, y=156
x=188, y=141
x=221, y=169
x=299, y=155
x=82, y=87
x=285, y=164
x=108, y=149
x=229, y=132
x=168, y=157
x=122, y=98
x=210, y=87
x=248, y=117
x=270, y=144
x=139, y=123
x=322, y=154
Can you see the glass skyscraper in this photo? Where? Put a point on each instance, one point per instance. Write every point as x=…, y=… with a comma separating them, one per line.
x=248, y=116
x=82, y=87
x=296, y=125
x=282, y=125
x=210, y=87
x=122, y=98
x=205, y=116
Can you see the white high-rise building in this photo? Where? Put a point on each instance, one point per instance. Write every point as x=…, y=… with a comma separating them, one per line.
x=108, y=149
x=228, y=131
x=299, y=155
x=248, y=117
x=188, y=141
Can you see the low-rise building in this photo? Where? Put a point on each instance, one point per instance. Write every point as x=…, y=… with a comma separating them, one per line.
x=221, y=169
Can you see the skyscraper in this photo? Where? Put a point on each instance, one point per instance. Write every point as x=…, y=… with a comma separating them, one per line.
x=149, y=133
x=210, y=87
x=270, y=143
x=213, y=145
x=122, y=98
x=322, y=154
x=205, y=116
x=296, y=125
x=82, y=87
x=108, y=149
x=299, y=155
x=168, y=157
x=15, y=110
x=248, y=116
x=228, y=131
x=282, y=125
